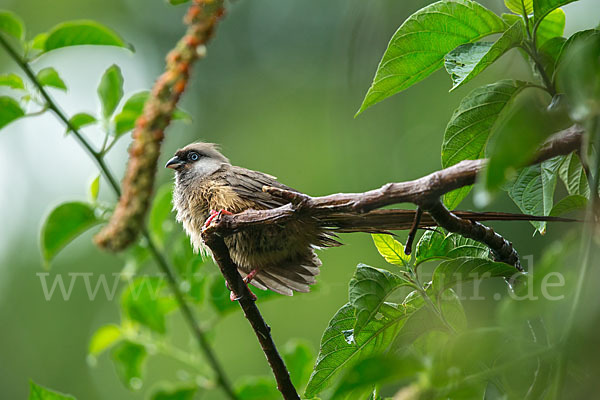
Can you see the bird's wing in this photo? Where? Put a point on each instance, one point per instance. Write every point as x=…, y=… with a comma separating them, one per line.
x=248, y=184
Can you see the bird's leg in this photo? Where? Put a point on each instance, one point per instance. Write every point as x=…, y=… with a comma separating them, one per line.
x=233, y=297
x=250, y=276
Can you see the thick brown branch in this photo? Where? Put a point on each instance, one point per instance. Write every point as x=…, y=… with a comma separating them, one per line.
x=261, y=329
x=128, y=218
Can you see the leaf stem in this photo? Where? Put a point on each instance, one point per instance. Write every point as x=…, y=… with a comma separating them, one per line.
x=158, y=256
x=535, y=57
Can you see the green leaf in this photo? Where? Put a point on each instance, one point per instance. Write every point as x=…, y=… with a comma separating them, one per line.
x=465, y=247
x=469, y=128
x=517, y=137
x=468, y=60
x=110, y=90
x=391, y=249
x=49, y=77
x=104, y=338
x=377, y=370
x=573, y=175
x=578, y=75
x=552, y=26
x=177, y=2
x=516, y=6
x=185, y=392
x=541, y=8
x=569, y=204
x=299, y=357
x=161, y=221
x=257, y=388
x=94, y=188
x=421, y=321
x=37, y=392
x=466, y=269
x=82, y=119
x=432, y=245
x=550, y=52
x=63, y=224
x=11, y=24
x=144, y=301
x=129, y=358
x=83, y=32
x=340, y=348
x=533, y=190
x=11, y=80
x=368, y=290
x=418, y=47
x=9, y=111
x=133, y=108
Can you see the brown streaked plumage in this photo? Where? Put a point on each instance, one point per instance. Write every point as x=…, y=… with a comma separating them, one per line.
x=283, y=256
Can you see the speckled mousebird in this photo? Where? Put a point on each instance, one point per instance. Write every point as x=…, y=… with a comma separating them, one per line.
x=276, y=257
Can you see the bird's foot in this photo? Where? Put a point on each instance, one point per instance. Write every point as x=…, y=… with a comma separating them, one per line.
x=250, y=276
x=246, y=280
x=214, y=214
x=233, y=297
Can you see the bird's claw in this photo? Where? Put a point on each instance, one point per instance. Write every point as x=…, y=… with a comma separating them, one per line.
x=215, y=215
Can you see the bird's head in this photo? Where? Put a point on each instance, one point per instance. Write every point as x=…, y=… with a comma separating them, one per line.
x=197, y=160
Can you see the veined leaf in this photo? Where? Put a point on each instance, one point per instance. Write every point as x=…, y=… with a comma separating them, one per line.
x=432, y=245
x=541, y=8
x=49, y=77
x=340, y=348
x=110, y=90
x=76, y=33
x=516, y=6
x=573, y=175
x=465, y=247
x=37, y=392
x=552, y=26
x=129, y=358
x=468, y=60
x=9, y=111
x=368, y=290
x=391, y=249
x=466, y=269
x=104, y=338
x=533, y=190
x=469, y=128
x=63, y=224
x=418, y=47
x=133, y=108
x=11, y=80
x=569, y=204
x=11, y=24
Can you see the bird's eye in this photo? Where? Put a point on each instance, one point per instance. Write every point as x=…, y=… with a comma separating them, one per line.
x=193, y=156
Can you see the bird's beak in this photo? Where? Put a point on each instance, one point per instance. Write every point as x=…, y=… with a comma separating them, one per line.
x=174, y=163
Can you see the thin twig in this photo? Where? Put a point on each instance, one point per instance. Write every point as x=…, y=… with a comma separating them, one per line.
x=413, y=231
x=158, y=256
x=242, y=293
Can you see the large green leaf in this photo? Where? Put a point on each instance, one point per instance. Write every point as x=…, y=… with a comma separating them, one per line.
x=439, y=245
x=76, y=33
x=468, y=60
x=368, y=290
x=541, y=8
x=133, y=108
x=9, y=111
x=533, y=190
x=573, y=175
x=469, y=128
x=552, y=26
x=37, y=392
x=466, y=269
x=80, y=120
x=11, y=80
x=11, y=24
x=110, y=90
x=340, y=348
x=391, y=249
x=144, y=301
x=550, y=52
x=49, y=77
x=516, y=6
x=129, y=358
x=63, y=224
x=418, y=47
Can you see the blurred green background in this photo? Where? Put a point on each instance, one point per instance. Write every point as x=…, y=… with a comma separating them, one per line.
x=278, y=91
